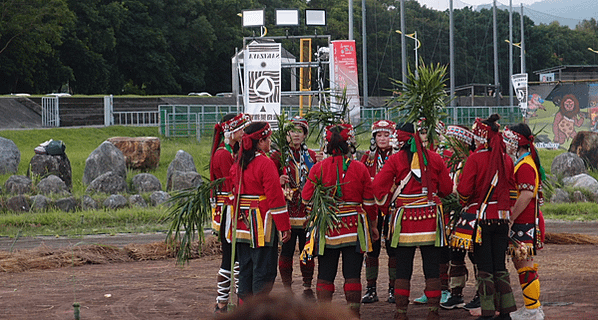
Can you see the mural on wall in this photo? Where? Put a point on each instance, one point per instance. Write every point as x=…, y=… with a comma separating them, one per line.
x=566, y=108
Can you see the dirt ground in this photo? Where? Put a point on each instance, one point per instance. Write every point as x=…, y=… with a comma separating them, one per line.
x=161, y=290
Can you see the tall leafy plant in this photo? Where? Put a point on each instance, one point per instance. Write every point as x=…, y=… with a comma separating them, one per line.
x=190, y=210
x=422, y=97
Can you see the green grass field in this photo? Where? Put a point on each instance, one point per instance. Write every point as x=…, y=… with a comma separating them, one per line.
x=80, y=142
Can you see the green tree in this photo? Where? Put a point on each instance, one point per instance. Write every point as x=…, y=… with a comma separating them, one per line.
x=29, y=32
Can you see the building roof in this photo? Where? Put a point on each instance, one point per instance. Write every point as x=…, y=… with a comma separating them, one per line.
x=569, y=68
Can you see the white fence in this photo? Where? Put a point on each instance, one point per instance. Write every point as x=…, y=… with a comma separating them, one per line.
x=50, y=112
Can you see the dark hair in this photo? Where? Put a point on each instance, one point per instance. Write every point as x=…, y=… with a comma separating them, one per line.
x=248, y=155
x=218, y=137
x=491, y=121
x=521, y=128
x=337, y=143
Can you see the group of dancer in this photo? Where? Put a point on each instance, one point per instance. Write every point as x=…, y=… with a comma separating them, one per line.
x=392, y=196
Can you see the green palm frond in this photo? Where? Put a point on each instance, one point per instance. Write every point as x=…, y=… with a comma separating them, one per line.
x=422, y=96
x=279, y=137
x=460, y=153
x=330, y=113
x=189, y=211
x=323, y=206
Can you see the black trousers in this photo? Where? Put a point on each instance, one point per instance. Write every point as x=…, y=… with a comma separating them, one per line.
x=430, y=257
x=227, y=248
x=491, y=254
x=288, y=248
x=382, y=231
x=328, y=263
x=257, y=268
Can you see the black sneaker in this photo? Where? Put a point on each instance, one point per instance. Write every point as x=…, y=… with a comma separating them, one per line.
x=391, y=295
x=370, y=295
x=473, y=304
x=454, y=301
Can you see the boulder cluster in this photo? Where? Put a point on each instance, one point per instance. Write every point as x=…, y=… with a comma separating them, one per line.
x=106, y=168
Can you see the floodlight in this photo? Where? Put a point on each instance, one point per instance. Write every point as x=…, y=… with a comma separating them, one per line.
x=315, y=17
x=253, y=18
x=287, y=17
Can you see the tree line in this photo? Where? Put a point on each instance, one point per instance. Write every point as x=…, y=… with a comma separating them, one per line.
x=181, y=46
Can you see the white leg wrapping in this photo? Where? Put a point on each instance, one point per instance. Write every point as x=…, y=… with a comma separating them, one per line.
x=236, y=270
x=223, y=285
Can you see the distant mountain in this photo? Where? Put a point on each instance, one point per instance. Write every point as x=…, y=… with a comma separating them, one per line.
x=566, y=12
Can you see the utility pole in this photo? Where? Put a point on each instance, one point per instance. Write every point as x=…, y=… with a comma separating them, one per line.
x=522, y=43
x=510, y=52
x=365, y=54
x=350, y=19
x=495, y=36
x=403, y=44
x=452, y=55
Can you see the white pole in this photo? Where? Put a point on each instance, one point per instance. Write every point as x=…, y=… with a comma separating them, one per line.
x=511, y=90
x=452, y=54
x=350, y=19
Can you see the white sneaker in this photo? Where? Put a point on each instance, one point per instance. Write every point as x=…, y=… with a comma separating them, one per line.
x=528, y=314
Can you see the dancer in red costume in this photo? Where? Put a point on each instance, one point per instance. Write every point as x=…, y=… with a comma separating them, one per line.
x=293, y=176
x=412, y=182
x=487, y=191
x=260, y=212
x=525, y=218
x=381, y=147
x=352, y=185
x=227, y=134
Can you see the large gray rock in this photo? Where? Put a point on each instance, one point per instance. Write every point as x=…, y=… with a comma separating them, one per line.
x=18, y=204
x=52, y=184
x=159, y=197
x=103, y=159
x=560, y=196
x=66, y=204
x=88, y=203
x=138, y=201
x=184, y=180
x=146, y=182
x=10, y=156
x=568, y=164
x=17, y=185
x=182, y=162
x=44, y=164
x=109, y=182
x=40, y=202
x=115, y=201
x=582, y=180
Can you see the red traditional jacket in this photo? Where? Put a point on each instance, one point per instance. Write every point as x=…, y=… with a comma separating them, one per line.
x=416, y=221
x=472, y=193
x=297, y=168
x=357, y=207
x=262, y=207
x=221, y=163
x=374, y=164
x=396, y=169
x=527, y=178
x=222, y=160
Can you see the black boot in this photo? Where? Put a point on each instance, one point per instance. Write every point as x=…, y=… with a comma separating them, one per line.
x=370, y=295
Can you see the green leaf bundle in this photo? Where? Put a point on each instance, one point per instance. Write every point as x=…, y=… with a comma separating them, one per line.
x=190, y=210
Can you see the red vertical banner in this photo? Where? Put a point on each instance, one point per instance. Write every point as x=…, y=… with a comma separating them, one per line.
x=343, y=75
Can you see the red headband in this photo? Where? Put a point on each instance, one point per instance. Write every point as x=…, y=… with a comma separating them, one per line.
x=238, y=122
x=262, y=133
x=482, y=132
x=383, y=125
x=346, y=131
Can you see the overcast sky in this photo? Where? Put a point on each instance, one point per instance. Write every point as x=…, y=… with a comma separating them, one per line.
x=444, y=4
